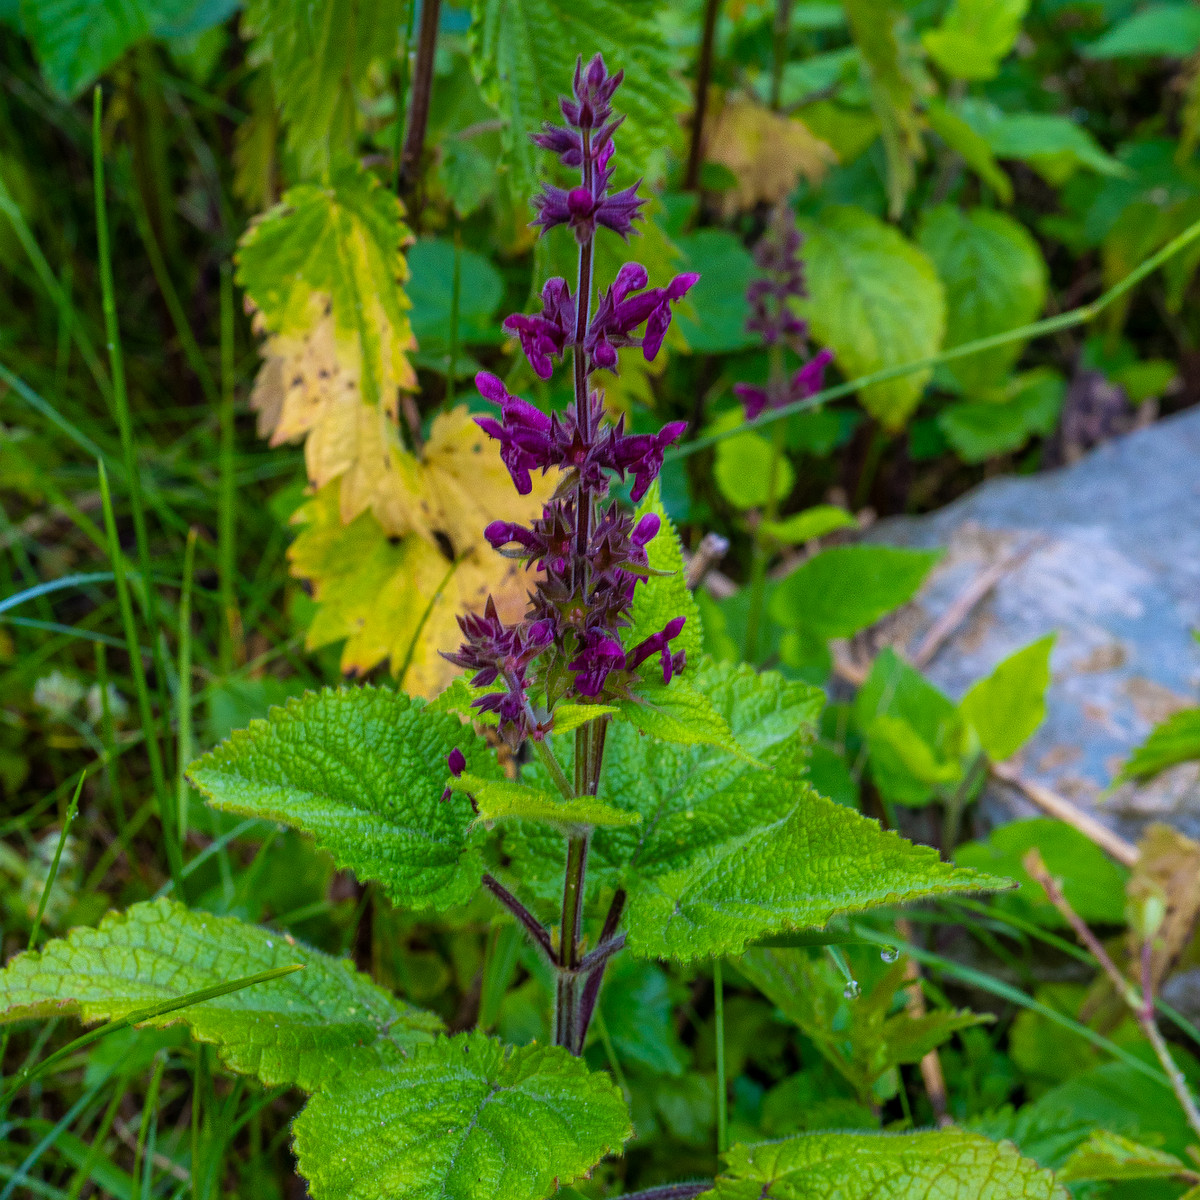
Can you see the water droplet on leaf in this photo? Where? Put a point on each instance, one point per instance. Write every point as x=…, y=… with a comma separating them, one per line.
x=852, y=991
x=889, y=954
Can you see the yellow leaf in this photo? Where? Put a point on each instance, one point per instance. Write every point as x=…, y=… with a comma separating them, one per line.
x=767, y=152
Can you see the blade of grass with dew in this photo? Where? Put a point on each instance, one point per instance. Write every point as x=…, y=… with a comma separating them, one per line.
x=149, y=727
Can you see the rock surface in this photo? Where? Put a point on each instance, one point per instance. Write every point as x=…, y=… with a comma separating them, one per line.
x=1105, y=553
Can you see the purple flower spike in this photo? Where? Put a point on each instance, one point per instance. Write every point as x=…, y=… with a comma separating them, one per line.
x=770, y=297
x=591, y=557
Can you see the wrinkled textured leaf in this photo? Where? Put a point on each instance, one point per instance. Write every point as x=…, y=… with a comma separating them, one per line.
x=797, y=872
x=318, y=56
x=662, y=598
x=1029, y=404
x=304, y=1029
x=503, y=800
x=876, y=301
x=362, y=770
x=523, y=54
x=974, y=36
x=463, y=1119
x=995, y=280
x=842, y=590
x=677, y=712
x=1006, y=707
x=947, y=1164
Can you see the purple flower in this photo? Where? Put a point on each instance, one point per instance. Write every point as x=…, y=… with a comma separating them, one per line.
x=457, y=764
x=770, y=297
x=590, y=556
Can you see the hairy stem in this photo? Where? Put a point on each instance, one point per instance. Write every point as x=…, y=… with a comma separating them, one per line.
x=671, y=1191
x=691, y=177
x=418, y=105
x=535, y=929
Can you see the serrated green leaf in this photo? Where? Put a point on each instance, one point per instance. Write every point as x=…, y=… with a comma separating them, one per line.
x=690, y=797
x=1176, y=740
x=523, y=54
x=504, y=800
x=797, y=872
x=319, y=56
x=662, y=598
x=811, y=523
x=1110, y=1156
x=948, y=1164
x=76, y=41
x=1172, y=30
x=677, y=712
x=302, y=1029
x=974, y=36
x=842, y=590
x=1006, y=707
x=995, y=280
x=335, y=246
x=463, y=1119
x=363, y=771
x=876, y=301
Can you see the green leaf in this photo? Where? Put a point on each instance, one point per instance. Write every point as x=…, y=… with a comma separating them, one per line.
x=974, y=36
x=844, y=589
x=876, y=301
x=466, y=1118
x=523, y=53
x=319, y=56
x=811, y=523
x=744, y=468
x=947, y=1164
x=716, y=323
x=690, y=796
x=76, y=41
x=915, y=734
x=362, y=770
x=1110, y=1156
x=798, y=872
x=1092, y=883
x=336, y=246
x=302, y=1029
x=1007, y=706
x=662, y=598
x=569, y=717
x=1056, y=147
x=1176, y=740
x=431, y=291
x=678, y=712
x=995, y=280
x=638, y=1011
x=503, y=800
x=975, y=152
x=1170, y=30
x=1029, y=404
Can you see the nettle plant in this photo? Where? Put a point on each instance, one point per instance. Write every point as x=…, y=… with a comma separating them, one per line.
x=650, y=802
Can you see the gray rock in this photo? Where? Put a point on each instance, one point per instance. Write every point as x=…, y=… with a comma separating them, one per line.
x=1112, y=565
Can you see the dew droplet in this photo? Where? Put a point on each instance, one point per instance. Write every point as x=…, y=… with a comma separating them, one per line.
x=889, y=954
x=852, y=991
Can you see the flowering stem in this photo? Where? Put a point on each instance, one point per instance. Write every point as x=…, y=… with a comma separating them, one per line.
x=758, y=565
